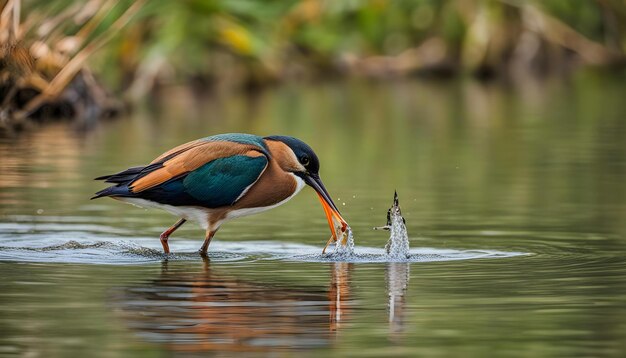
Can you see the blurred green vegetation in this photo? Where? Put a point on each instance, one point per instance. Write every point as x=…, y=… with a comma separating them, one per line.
x=56, y=54
x=252, y=42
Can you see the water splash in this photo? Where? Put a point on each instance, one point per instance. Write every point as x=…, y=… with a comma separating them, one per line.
x=397, y=248
x=341, y=251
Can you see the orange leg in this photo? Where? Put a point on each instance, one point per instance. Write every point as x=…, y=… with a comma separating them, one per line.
x=166, y=235
x=207, y=241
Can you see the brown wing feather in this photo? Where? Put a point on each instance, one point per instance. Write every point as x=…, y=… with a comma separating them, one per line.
x=189, y=157
x=179, y=149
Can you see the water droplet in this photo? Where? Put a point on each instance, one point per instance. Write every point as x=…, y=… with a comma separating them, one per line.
x=39, y=211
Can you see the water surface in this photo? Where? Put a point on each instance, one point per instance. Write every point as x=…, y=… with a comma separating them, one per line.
x=514, y=196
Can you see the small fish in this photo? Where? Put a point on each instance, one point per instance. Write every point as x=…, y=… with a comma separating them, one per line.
x=398, y=244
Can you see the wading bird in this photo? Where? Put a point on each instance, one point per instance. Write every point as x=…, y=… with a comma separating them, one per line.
x=223, y=177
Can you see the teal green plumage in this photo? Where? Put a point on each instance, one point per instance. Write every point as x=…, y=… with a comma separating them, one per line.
x=241, y=138
x=222, y=181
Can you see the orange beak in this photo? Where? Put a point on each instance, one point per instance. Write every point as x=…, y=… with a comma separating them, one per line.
x=336, y=223
x=331, y=216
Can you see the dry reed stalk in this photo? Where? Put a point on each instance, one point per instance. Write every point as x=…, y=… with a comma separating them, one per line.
x=76, y=63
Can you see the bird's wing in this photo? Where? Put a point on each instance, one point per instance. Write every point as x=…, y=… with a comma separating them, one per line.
x=178, y=150
x=188, y=158
x=220, y=182
x=223, y=181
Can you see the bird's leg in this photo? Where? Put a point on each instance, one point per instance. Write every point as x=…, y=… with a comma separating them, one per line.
x=166, y=234
x=207, y=240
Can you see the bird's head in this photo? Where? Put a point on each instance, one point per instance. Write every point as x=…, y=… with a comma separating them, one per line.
x=302, y=161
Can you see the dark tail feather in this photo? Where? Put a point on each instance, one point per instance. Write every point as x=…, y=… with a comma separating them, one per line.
x=123, y=179
x=115, y=190
x=130, y=174
x=100, y=194
x=120, y=179
x=122, y=176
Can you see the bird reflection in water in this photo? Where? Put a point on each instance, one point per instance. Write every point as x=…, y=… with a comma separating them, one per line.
x=213, y=311
x=338, y=293
x=397, y=283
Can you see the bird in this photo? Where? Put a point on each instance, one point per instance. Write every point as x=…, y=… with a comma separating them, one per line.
x=222, y=177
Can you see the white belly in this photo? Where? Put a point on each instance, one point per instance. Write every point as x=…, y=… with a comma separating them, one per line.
x=192, y=213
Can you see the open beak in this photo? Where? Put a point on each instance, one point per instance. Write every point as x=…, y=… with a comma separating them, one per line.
x=330, y=209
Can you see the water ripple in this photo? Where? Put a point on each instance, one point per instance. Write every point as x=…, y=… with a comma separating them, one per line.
x=76, y=240
x=135, y=251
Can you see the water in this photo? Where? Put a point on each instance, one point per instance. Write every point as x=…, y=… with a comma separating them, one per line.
x=514, y=199
x=81, y=244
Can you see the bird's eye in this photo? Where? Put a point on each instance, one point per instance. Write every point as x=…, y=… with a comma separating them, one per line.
x=304, y=160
